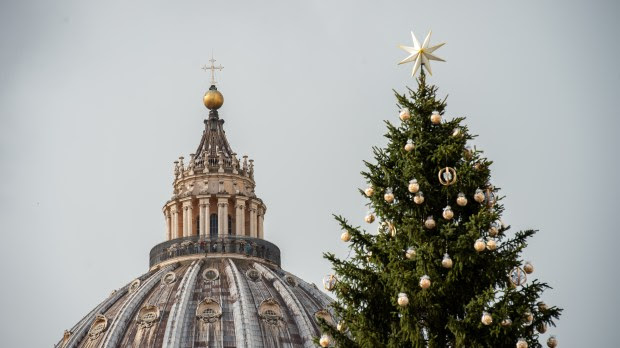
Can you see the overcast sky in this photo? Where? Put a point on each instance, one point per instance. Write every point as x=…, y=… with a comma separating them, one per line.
x=98, y=98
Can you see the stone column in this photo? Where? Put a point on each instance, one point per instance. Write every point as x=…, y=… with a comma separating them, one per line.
x=168, y=224
x=187, y=218
x=253, y=219
x=175, y=221
x=240, y=216
x=204, y=216
x=222, y=216
x=261, y=214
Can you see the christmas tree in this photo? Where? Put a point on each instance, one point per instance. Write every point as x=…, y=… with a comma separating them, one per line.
x=442, y=270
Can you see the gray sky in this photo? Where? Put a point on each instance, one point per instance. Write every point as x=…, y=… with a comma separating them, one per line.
x=98, y=98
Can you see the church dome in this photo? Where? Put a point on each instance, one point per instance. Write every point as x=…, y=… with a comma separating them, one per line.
x=214, y=281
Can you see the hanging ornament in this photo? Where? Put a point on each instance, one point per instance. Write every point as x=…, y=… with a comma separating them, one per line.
x=370, y=217
x=493, y=230
x=521, y=343
x=552, y=342
x=324, y=341
x=345, y=236
x=479, y=196
x=410, y=253
x=435, y=117
x=447, y=261
x=542, y=306
x=491, y=244
x=479, y=245
x=456, y=132
x=369, y=191
x=403, y=300
x=529, y=318
x=528, y=267
x=468, y=153
x=489, y=196
x=409, y=146
x=414, y=186
x=461, y=200
x=341, y=326
x=388, y=196
x=448, y=214
x=419, y=197
x=517, y=276
x=425, y=282
x=506, y=322
x=429, y=223
x=391, y=228
x=487, y=319
x=329, y=282
x=447, y=176
x=541, y=328
x=404, y=114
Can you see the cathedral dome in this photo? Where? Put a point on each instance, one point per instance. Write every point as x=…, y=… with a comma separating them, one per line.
x=214, y=281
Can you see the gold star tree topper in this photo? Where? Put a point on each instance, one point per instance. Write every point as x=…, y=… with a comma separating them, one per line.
x=421, y=54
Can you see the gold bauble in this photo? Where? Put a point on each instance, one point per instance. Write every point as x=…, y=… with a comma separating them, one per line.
x=521, y=343
x=506, y=322
x=409, y=146
x=528, y=268
x=414, y=186
x=542, y=306
x=461, y=200
x=491, y=244
x=493, y=231
x=389, y=196
x=436, y=117
x=213, y=99
x=419, y=198
x=425, y=282
x=410, y=253
x=369, y=191
x=345, y=236
x=542, y=328
x=369, y=218
x=552, y=342
x=487, y=319
x=403, y=300
x=448, y=214
x=447, y=261
x=480, y=245
x=324, y=341
x=479, y=196
x=404, y=115
x=529, y=318
x=429, y=223
x=456, y=132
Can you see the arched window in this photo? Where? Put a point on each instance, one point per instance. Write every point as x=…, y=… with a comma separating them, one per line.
x=213, y=226
x=229, y=225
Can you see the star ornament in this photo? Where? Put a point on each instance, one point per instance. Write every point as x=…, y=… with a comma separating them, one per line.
x=421, y=54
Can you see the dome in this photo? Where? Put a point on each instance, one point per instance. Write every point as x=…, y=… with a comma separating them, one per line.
x=215, y=281
x=201, y=294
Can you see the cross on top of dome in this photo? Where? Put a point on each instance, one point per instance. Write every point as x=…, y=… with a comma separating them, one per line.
x=212, y=68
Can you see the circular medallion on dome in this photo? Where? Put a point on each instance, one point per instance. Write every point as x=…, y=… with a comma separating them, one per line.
x=253, y=274
x=169, y=278
x=210, y=274
x=290, y=280
x=134, y=285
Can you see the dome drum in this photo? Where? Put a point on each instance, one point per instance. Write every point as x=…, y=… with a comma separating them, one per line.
x=201, y=246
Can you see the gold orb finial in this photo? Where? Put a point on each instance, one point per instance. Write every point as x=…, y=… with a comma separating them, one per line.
x=213, y=99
